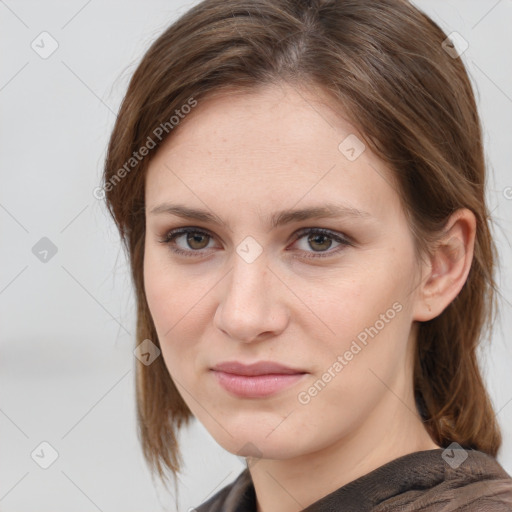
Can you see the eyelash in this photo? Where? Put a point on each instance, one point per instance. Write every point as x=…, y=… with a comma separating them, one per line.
x=172, y=235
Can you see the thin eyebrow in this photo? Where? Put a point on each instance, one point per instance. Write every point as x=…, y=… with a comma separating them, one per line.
x=277, y=219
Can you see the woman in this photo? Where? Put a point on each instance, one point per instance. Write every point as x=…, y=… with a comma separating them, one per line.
x=300, y=189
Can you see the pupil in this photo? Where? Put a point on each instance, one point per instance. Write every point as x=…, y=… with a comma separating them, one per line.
x=193, y=238
x=324, y=237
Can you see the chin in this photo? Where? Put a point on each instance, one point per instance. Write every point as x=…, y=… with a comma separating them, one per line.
x=250, y=440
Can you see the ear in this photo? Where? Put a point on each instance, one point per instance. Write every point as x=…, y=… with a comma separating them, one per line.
x=448, y=267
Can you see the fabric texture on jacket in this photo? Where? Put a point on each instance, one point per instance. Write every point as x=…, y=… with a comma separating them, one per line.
x=421, y=481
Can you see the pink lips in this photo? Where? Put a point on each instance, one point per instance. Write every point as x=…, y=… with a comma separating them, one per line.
x=256, y=380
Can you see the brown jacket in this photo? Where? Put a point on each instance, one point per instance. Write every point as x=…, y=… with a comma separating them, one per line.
x=427, y=481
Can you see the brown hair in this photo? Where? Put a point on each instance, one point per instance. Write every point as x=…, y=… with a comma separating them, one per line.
x=384, y=64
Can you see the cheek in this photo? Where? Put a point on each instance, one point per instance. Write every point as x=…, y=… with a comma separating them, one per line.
x=177, y=305
x=170, y=294
x=161, y=297
x=349, y=305
x=166, y=297
x=367, y=317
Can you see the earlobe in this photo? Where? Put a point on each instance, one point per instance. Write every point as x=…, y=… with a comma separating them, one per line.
x=448, y=267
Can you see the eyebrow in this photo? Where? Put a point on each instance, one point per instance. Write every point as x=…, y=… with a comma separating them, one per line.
x=277, y=219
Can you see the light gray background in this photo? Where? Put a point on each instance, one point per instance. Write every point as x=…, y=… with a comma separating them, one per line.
x=66, y=362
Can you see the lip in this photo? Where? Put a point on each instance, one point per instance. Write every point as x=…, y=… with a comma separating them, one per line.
x=256, y=380
x=258, y=368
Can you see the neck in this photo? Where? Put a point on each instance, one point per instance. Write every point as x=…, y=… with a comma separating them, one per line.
x=394, y=429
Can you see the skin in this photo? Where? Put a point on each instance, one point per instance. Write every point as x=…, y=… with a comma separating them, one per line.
x=244, y=157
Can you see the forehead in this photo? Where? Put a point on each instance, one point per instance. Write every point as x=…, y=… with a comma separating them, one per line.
x=277, y=119
x=272, y=145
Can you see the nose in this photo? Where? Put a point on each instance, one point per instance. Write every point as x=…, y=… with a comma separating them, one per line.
x=252, y=305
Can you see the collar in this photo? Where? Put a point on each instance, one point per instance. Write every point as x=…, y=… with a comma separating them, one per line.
x=418, y=471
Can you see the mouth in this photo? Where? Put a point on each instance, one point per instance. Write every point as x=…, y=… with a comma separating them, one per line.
x=257, y=368
x=256, y=386
x=256, y=380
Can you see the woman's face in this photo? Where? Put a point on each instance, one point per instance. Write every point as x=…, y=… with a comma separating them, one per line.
x=256, y=282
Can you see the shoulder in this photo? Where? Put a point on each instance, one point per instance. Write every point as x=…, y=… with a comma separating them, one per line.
x=479, y=484
x=464, y=481
x=231, y=498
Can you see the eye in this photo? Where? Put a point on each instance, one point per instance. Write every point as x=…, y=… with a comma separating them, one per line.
x=322, y=240
x=190, y=241
x=194, y=239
